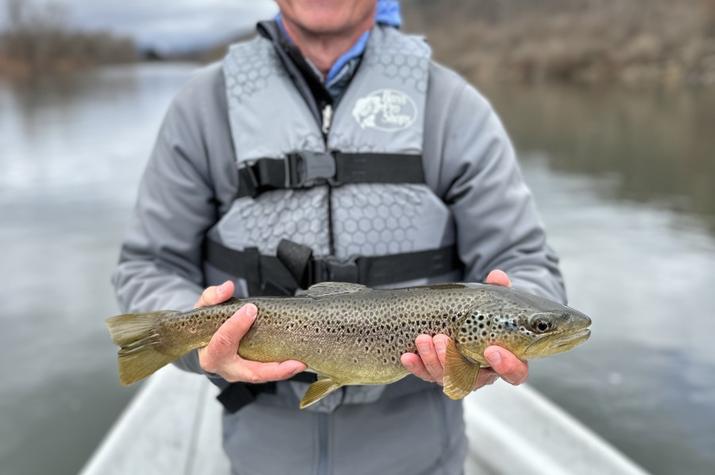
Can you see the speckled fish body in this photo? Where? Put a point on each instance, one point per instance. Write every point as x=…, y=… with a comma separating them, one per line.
x=350, y=334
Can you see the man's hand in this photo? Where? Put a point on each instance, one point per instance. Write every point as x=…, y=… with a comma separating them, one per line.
x=221, y=357
x=428, y=363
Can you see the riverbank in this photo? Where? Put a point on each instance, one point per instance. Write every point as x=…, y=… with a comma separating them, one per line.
x=39, y=42
x=593, y=42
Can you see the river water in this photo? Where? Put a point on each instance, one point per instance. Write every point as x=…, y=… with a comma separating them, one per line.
x=624, y=182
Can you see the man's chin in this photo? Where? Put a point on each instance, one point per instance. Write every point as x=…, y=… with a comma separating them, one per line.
x=326, y=26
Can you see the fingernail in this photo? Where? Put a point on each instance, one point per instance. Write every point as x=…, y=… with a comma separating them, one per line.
x=251, y=311
x=223, y=287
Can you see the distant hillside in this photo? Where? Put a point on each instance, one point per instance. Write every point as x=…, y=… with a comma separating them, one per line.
x=38, y=41
x=667, y=42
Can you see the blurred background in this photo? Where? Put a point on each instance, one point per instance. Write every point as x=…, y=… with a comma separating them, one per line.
x=611, y=105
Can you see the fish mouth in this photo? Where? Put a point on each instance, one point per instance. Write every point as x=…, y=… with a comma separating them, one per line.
x=571, y=340
x=557, y=343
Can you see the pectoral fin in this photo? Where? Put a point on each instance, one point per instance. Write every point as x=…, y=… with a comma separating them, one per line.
x=317, y=391
x=460, y=374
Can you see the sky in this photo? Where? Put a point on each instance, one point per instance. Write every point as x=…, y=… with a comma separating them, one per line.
x=166, y=25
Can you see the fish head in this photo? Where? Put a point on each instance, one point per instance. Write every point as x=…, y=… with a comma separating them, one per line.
x=527, y=325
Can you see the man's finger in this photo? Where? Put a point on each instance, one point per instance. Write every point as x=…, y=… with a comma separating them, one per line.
x=255, y=372
x=413, y=364
x=498, y=277
x=486, y=377
x=440, y=345
x=223, y=346
x=215, y=294
x=505, y=364
x=425, y=348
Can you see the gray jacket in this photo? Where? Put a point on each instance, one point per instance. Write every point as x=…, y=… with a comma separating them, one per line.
x=190, y=182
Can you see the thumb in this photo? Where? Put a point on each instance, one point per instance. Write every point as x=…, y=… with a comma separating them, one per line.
x=507, y=365
x=498, y=277
x=223, y=345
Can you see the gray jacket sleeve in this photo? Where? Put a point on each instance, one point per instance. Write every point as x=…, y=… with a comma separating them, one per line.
x=479, y=178
x=160, y=259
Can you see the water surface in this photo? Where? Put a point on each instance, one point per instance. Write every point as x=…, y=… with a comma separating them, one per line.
x=72, y=154
x=623, y=181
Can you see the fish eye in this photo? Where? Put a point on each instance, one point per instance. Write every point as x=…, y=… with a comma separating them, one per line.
x=542, y=325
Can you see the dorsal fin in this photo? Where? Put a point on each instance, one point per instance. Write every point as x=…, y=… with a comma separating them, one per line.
x=441, y=286
x=447, y=285
x=324, y=289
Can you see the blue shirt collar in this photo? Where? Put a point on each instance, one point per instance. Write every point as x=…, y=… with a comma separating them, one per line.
x=388, y=13
x=354, y=52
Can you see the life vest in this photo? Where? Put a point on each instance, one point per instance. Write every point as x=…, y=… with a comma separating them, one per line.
x=344, y=200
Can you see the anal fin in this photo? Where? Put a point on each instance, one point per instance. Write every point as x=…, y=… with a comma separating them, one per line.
x=317, y=391
x=460, y=374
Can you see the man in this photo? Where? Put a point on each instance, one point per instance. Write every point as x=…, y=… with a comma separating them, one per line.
x=331, y=147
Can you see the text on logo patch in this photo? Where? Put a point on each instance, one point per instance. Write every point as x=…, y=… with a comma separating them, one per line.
x=385, y=109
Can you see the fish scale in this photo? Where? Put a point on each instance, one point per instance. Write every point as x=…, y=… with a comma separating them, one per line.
x=350, y=334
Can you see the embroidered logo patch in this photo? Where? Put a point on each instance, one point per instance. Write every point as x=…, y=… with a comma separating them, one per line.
x=385, y=109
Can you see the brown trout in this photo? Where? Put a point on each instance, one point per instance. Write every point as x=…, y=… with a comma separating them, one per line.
x=351, y=334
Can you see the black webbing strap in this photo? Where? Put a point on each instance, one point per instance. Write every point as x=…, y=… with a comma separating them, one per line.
x=306, y=169
x=264, y=275
x=235, y=396
x=295, y=267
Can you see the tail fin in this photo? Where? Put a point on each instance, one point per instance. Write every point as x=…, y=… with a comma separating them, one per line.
x=138, y=338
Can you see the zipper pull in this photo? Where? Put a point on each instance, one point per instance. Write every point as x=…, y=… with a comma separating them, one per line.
x=327, y=118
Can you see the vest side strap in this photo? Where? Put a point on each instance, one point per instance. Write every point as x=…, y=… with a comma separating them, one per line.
x=268, y=275
x=237, y=395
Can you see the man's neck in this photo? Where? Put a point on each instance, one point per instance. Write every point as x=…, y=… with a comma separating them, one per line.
x=324, y=49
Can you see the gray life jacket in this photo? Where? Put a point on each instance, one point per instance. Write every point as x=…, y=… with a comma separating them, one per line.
x=343, y=200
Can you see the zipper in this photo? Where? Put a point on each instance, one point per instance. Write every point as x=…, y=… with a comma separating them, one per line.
x=323, y=428
x=327, y=122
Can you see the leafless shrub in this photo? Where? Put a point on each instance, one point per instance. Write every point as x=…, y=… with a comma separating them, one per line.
x=38, y=39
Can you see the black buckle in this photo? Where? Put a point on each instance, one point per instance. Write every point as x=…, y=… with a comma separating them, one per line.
x=306, y=168
x=248, y=179
x=296, y=258
x=332, y=269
